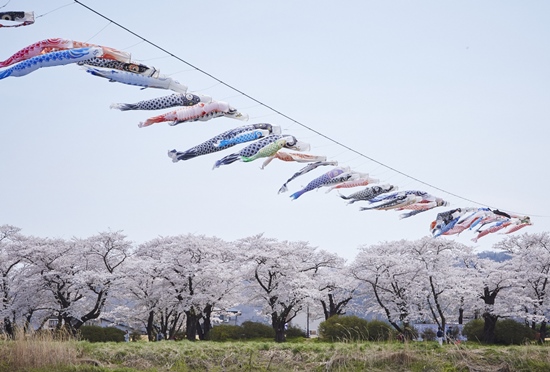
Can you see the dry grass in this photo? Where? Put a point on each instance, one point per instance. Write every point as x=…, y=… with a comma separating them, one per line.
x=42, y=353
x=38, y=350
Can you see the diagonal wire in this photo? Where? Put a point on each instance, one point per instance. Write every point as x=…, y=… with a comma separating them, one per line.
x=51, y=11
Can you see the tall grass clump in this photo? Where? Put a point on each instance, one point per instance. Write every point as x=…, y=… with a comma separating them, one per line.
x=344, y=328
x=38, y=350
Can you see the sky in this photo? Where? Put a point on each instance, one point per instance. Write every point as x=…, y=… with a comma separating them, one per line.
x=450, y=98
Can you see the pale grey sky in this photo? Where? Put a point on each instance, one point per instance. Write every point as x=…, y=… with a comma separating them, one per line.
x=454, y=94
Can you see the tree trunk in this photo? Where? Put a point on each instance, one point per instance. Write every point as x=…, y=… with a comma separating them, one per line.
x=542, y=332
x=490, y=318
x=174, y=325
x=489, y=328
x=150, y=328
x=27, y=324
x=207, y=322
x=460, y=316
x=325, y=309
x=278, y=325
x=8, y=328
x=191, y=321
x=71, y=324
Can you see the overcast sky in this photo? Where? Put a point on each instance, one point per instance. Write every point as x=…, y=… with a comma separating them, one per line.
x=452, y=94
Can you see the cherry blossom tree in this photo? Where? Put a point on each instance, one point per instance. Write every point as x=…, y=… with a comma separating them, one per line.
x=151, y=298
x=200, y=274
x=79, y=274
x=531, y=256
x=281, y=276
x=11, y=243
x=337, y=287
x=104, y=255
x=494, y=282
x=211, y=271
x=394, y=281
x=144, y=291
x=440, y=276
x=32, y=303
x=435, y=279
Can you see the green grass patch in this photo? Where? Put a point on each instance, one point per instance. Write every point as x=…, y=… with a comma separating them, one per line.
x=307, y=355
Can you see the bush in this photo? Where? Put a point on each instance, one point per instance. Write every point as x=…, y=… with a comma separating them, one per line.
x=247, y=330
x=344, y=328
x=92, y=333
x=295, y=331
x=225, y=332
x=101, y=334
x=257, y=330
x=428, y=335
x=507, y=332
x=473, y=330
x=378, y=331
x=113, y=334
x=510, y=332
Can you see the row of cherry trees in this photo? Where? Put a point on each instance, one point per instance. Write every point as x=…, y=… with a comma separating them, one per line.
x=175, y=283
x=437, y=280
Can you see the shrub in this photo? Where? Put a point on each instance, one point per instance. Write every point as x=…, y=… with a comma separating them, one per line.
x=92, y=333
x=225, y=332
x=247, y=330
x=257, y=330
x=507, y=332
x=378, y=330
x=295, y=331
x=428, y=334
x=344, y=328
x=473, y=330
x=101, y=334
x=113, y=334
x=510, y=332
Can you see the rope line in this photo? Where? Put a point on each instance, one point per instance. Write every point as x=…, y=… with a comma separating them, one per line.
x=51, y=11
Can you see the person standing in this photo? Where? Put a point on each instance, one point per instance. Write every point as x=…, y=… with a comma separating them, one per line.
x=440, y=336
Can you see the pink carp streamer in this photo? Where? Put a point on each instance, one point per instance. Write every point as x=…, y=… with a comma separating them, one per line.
x=361, y=180
x=293, y=156
x=51, y=45
x=201, y=111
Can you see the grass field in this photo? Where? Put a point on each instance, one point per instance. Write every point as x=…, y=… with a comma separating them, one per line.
x=39, y=354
